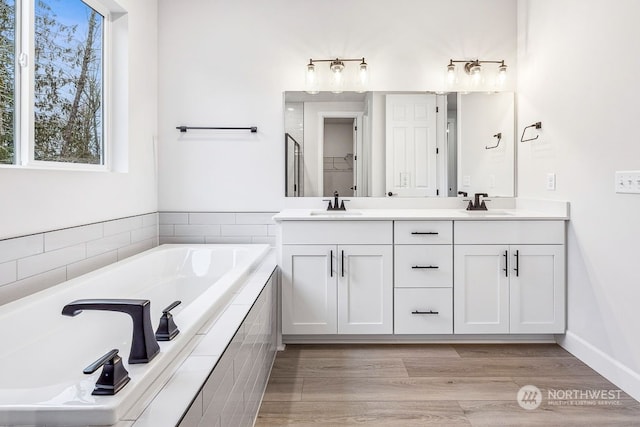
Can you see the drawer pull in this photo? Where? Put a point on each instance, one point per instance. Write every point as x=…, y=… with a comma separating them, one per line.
x=425, y=266
x=424, y=312
x=424, y=232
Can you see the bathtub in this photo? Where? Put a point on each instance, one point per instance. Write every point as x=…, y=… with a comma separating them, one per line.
x=43, y=353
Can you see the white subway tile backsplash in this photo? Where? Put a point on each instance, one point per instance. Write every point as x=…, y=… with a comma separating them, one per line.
x=8, y=272
x=212, y=218
x=150, y=219
x=166, y=230
x=86, y=265
x=197, y=230
x=272, y=230
x=21, y=247
x=109, y=243
x=255, y=218
x=144, y=233
x=50, y=260
x=181, y=239
x=72, y=236
x=136, y=248
x=243, y=230
x=269, y=240
x=122, y=225
x=173, y=218
x=232, y=240
x=30, y=285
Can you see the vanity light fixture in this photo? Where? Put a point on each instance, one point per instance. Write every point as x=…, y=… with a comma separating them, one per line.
x=336, y=66
x=474, y=69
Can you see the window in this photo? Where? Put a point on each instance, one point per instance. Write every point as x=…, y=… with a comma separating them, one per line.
x=52, y=82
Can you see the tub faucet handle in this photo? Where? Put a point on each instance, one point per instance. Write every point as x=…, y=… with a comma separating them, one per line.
x=167, y=329
x=113, y=376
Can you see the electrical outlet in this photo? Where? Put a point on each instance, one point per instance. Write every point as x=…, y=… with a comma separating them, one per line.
x=627, y=182
x=551, y=181
x=466, y=180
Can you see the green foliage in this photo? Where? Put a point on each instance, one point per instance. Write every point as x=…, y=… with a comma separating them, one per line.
x=7, y=80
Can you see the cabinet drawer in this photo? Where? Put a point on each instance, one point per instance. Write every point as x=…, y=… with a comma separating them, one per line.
x=509, y=232
x=337, y=232
x=423, y=232
x=423, y=311
x=420, y=266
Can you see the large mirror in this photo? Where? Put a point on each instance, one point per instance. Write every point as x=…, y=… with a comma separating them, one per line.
x=406, y=144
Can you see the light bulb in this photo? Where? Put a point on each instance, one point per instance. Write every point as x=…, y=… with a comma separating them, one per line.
x=502, y=74
x=337, y=80
x=451, y=73
x=311, y=81
x=363, y=77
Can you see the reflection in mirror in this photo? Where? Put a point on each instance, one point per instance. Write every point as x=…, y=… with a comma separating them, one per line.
x=409, y=144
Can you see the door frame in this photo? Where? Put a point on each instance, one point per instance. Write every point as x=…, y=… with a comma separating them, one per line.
x=322, y=115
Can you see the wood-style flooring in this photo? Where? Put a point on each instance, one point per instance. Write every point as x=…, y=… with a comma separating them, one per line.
x=446, y=385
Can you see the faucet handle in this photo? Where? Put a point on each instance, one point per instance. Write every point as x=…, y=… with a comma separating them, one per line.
x=113, y=376
x=330, y=205
x=167, y=329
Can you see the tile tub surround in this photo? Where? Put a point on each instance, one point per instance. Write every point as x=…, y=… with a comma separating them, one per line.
x=29, y=264
x=217, y=227
x=222, y=381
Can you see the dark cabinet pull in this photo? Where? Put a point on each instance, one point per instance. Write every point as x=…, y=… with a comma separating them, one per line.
x=424, y=312
x=342, y=265
x=424, y=232
x=506, y=261
x=425, y=266
x=331, y=267
x=517, y=269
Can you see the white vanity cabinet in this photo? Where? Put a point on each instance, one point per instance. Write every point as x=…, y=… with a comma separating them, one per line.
x=337, y=277
x=423, y=277
x=509, y=277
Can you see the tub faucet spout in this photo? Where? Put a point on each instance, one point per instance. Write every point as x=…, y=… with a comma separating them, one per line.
x=144, y=346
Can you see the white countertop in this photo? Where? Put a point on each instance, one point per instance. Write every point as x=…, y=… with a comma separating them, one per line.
x=417, y=214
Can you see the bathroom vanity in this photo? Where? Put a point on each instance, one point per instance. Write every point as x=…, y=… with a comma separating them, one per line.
x=421, y=274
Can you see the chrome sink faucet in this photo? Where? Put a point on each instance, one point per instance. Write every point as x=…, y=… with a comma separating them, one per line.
x=144, y=345
x=476, y=204
x=335, y=206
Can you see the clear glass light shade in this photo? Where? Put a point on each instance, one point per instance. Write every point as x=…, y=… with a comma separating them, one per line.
x=363, y=77
x=451, y=77
x=502, y=75
x=311, y=81
x=337, y=77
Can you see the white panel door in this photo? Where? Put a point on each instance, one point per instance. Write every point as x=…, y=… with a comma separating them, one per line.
x=365, y=289
x=481, y=289
x=309, y=281
x=411, y=144
x=537, y=289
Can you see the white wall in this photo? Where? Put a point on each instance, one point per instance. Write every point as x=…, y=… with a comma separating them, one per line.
x=578, y=66
x=226, y=63
x=40, y=200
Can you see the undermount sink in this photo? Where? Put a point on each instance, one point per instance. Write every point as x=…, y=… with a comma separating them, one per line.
x=335, y=213
x=489, y=212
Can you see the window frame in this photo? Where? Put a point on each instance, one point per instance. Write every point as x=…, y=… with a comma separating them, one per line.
x=24, y=111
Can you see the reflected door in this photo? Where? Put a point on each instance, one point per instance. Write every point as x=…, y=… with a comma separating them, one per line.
x=411, y=145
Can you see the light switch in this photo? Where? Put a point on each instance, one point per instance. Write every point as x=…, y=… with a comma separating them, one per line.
x=551, y=181
x=627, y=182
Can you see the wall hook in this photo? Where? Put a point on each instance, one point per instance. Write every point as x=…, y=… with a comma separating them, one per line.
x=497, y=135
x=537, y=125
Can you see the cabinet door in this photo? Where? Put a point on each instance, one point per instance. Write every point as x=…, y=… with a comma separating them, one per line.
x=309, y=289
x=537, y=289
x=365, y=289
x=481, y=289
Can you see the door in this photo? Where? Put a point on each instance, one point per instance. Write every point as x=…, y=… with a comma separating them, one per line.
x=309, y=289
x=537, y=289
x=411, y=145
x=365, y=289
x=481, y=289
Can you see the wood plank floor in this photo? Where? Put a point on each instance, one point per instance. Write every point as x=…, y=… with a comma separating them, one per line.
x=438, y=385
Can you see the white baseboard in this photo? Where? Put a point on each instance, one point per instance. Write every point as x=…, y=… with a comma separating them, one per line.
x=622, y=376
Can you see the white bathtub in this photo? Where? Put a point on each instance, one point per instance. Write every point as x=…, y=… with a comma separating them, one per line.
x=42, y=353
